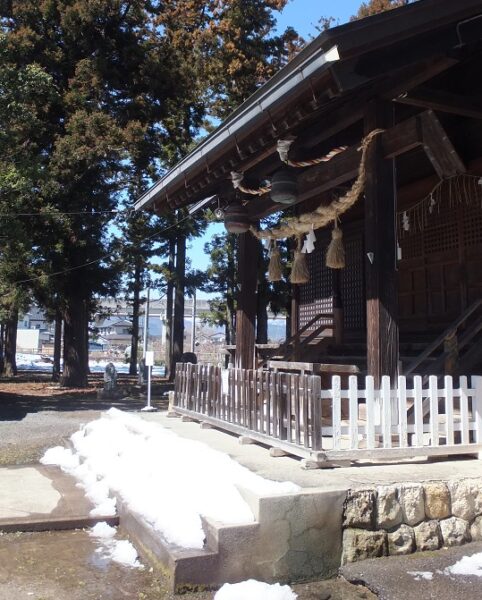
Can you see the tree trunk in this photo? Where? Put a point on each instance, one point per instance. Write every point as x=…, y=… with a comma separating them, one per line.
x=86, y=339
x=135, y=320
x=178, y=329
x=230, y=319
x=262, y=300
x=169, y=306
x=74, y=372
x=2, y=347
x=57, y=346
x=11, y=324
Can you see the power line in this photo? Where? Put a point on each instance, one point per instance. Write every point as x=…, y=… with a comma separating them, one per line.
x=97, y=260
x=60, y=214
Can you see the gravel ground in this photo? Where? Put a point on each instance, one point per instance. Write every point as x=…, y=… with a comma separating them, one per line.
x=34, y=416
x=24, y=441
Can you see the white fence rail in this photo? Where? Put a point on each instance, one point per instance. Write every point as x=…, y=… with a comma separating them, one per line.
x=349, y=422
x=405, y=420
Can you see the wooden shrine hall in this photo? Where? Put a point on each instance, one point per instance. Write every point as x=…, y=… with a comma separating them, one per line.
x=369, y=142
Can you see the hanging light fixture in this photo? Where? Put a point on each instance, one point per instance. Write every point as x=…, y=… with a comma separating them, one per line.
x=236, y=218
x=284, y=187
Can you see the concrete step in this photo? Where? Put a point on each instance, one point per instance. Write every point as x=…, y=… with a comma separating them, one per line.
x=294, y=537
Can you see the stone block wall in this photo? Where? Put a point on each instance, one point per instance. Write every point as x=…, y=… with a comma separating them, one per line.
x=410, y=517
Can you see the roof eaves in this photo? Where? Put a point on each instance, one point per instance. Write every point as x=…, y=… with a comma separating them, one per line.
x=257, y=104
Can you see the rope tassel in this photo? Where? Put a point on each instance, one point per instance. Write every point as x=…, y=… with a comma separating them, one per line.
x=299, y=271
x=335, y=253
x=275, y=271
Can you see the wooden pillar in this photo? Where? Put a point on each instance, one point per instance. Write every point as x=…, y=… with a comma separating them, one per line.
x=180, y=288
x=380, y=249
x=338, y=316
x=246, y=309
x=295, y=320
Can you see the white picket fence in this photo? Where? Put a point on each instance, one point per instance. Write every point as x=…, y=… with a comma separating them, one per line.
x=399, y=421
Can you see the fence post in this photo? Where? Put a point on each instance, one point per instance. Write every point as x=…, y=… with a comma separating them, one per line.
x=434, y=419
x=385, y=394
x=353, y=411
x=477, y=408
x=371, y=410
x=402, y=411
x=316, y=413
x=336, y=411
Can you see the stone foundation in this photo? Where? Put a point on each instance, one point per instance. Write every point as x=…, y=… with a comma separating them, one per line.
x=410, y=517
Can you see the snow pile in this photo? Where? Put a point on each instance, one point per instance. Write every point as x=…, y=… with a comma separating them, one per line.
x=419, y=575
x=120, y=551
x=467, y=565
x=34, y=362
x=168, y=480
x=255, y=590
x=98, y=366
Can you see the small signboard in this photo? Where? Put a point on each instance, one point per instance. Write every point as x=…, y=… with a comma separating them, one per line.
x=149, y=358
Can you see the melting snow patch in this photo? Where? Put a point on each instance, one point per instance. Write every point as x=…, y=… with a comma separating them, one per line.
x=468, y=565
x=103, y=531
x=168, y=480
x=120, y=551
x=123, y=552
x=419, y=575
x=255, y=590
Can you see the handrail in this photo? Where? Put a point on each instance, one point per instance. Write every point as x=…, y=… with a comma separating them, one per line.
x=285, y=345
x=464, y=340
x=452, y=328
x=306, y=340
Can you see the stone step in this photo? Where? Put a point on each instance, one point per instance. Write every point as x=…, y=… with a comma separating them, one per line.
x=294, y=537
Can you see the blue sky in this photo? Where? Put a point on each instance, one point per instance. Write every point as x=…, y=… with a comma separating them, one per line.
x=303, y=15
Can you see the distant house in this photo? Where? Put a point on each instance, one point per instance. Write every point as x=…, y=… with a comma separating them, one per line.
x=113, y=332
x=34, y=331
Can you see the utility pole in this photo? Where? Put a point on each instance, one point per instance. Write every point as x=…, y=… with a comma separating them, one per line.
x=193, y=335
x=146, y=323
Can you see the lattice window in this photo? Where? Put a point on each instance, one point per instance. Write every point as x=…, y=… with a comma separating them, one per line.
x=353, y=284
x=411, y=244
x=316, y=296
x=472, y=226
x=441, y=234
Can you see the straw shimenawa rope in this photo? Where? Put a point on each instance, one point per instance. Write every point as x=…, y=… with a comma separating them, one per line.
x=296, y=226
x=237, y=180
x=283, y=147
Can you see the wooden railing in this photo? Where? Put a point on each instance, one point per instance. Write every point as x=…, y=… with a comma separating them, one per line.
x=442, y=339
x=265, y=405
x=291, y=412
x=293, y=346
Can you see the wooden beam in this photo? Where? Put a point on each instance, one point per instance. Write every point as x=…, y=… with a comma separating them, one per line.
x=439, y=148
x=246, y=310
x=380, y=248
x=443, y=102
x=323, y=177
